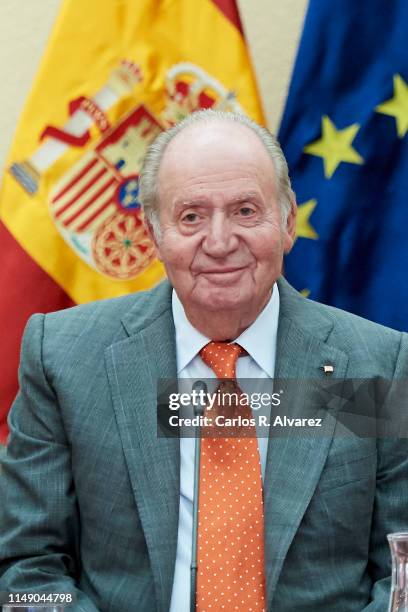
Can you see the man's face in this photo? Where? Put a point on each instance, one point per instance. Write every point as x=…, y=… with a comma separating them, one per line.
x=222, y=241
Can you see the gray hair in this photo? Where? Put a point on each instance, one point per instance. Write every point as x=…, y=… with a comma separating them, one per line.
x=148, y=178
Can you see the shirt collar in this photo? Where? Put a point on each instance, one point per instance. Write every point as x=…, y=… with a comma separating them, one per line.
x=259, y=339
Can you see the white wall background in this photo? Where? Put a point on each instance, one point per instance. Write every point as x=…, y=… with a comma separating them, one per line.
x=24, y=28
x=272, y=29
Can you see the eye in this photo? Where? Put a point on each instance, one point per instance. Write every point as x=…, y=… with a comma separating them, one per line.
x=246, y=211
x=190, y=218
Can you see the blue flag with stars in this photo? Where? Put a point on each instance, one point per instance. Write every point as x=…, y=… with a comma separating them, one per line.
x=344, y=134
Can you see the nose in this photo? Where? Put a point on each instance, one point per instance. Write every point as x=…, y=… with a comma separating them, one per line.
x=220, y=239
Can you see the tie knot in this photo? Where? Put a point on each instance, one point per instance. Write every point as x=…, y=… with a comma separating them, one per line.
x=222, y=357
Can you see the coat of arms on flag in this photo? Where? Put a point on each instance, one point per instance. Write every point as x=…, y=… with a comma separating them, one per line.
x=94, y=204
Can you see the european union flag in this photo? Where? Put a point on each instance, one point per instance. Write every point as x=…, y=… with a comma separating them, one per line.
x=344, y=133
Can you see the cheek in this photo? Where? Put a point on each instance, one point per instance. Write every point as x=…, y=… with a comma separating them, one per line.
x=176, y=253
x=269, y=259
x=269, y=251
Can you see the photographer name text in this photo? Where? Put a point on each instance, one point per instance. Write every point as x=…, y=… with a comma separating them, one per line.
x=239, y=421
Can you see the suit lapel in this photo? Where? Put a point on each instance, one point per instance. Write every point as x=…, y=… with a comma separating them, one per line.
x=134, y=365
x=294, y=461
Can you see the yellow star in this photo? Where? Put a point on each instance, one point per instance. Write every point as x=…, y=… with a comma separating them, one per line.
x=335, y=146
x=397, y=106
x=305, y=292
x=304, y=228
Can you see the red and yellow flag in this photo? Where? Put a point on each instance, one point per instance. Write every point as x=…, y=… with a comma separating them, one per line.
x=115, y=73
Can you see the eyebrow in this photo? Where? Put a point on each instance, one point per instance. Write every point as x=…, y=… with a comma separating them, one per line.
x=250, y=196
x=246, y=197
x=181, y=204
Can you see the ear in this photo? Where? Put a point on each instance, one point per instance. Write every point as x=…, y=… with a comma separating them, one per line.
x=153, y=238
x=290, y=229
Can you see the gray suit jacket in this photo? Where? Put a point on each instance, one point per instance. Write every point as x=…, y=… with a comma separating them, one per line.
x=90, y=496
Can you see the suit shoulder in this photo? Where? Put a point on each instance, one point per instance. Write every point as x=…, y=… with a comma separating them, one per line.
x=347, y=328
x=98, y=315
x=373, y=348
x=351, y=325
x=102, y=320
x=76, y=338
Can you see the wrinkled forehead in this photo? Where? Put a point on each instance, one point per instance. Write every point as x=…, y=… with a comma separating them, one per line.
x=201, y=151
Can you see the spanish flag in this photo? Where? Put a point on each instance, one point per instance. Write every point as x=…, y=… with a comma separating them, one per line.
x=114, y=74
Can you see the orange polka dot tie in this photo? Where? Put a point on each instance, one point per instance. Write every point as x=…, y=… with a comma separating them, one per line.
x=231, y=524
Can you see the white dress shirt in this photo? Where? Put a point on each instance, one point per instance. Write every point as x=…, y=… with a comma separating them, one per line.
x=259, y=340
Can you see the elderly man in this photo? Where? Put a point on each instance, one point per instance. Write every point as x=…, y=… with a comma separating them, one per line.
x=93, y=503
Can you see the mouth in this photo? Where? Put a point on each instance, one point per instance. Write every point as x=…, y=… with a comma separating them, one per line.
x=222, y=275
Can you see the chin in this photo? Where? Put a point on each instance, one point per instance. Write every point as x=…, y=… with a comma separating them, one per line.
x=218, y=299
